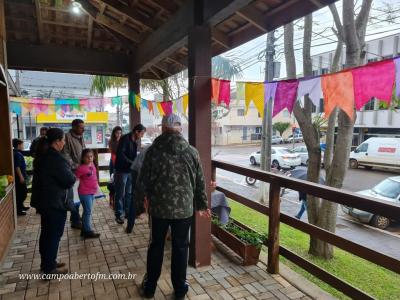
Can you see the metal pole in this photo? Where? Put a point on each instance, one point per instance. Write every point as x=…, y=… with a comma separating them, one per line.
x=30, y=125
x=18, y=133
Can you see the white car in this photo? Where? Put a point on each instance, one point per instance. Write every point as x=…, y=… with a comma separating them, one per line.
x=302, y=151
x=280, y=158
x=298, y=138
x=146, y=141
x=389, y=190
x=276, y=139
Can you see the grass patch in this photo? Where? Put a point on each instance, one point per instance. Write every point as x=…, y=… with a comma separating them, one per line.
x=368, y=277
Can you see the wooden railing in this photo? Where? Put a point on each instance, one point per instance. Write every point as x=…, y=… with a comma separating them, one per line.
x=275, y=215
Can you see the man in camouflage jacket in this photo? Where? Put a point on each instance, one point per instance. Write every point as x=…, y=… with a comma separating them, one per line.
x=171, y=181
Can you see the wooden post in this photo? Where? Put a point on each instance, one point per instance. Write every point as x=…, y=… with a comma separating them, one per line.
x=273, y=228
x=133, y=86
x=200, y=132
x=3, y=49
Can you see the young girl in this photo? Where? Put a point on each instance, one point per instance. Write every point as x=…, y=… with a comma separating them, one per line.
x=88, y=185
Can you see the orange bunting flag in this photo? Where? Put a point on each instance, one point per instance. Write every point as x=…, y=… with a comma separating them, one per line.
x=215, y=90
x=220, y=91
x=150, y=107
x=338, y=92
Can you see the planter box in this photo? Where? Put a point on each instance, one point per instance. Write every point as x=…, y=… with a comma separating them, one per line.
x=249, y=253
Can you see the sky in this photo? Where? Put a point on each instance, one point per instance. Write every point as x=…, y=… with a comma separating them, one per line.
x=247, y=54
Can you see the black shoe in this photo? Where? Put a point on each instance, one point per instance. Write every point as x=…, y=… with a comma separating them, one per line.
x=119, y=220
x=143, y=292
x=21, y=213
x=180, y=297
x=76, y=225
x=26, y=208
x=58, y=265
x=128, y=231
x=90, y=235
x=55, y=272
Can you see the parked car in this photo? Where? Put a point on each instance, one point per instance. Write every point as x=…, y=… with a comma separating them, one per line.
x=146, y=141
x=280, y=158
x=276, y=139
x=303, y=153
x=389, y=190
x=298, y=138
x=376, y=152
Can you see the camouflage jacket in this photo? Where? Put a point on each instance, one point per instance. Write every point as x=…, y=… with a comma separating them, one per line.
x=171, y=178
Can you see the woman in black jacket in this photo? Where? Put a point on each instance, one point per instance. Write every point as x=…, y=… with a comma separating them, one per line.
x=52, y=196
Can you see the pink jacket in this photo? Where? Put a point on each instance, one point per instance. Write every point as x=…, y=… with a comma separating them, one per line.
x=87, y=176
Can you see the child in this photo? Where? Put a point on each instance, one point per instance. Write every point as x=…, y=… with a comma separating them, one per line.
x=21, y=189
x=88, y=185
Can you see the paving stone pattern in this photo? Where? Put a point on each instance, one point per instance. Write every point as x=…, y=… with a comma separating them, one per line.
x=118, y=252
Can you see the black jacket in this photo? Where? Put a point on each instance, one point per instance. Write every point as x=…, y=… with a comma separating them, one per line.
x=52, y=183
x=126, y=154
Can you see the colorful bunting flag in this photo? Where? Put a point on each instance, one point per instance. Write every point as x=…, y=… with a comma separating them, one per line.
x=167, y=107
x=150, y=107
x=160, y=109
x=397, y=63
x=185, y=99
x=373, y=80
x=215, y=88
x=338, y=91
x=224, y=92
x=116, y=101
x=254, y=91
x=312, y=88
x=179, y=105
x=16, y=108
x=285, y=96
x=137, y=102
x=270, y=91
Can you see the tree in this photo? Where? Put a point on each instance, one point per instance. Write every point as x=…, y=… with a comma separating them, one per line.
x=100, y=84
x=281, y=127
x=352, y=34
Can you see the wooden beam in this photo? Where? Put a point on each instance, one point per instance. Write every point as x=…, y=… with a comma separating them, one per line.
x=108, y=22
x=90, y=32
x=253, y=16
x=317, y=3
x=221, y=38
x=64, y=24
x=163, y=69
x=131, y=13
x=173, y=35
x=199, y=133
x=68, y=60
x=39, y=21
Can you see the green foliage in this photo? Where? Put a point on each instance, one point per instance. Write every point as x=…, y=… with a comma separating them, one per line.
x=100, y=84
x=226, y=68
x=375, y=280
x=281, y=127
x=246, y=236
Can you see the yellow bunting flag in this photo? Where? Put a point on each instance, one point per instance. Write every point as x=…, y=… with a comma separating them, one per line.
x=137, y=102
x=185, y=103
x=255, y=92
x=160, y=109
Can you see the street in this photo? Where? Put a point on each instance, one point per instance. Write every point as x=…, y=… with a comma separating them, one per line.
x=385, y=241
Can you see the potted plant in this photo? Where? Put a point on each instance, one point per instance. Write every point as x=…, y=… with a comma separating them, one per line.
x=240, y=239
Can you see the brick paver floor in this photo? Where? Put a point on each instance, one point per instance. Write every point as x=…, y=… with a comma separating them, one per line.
x=117, y=252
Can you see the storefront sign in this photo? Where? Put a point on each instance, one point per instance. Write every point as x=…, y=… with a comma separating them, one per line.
x=60, y=115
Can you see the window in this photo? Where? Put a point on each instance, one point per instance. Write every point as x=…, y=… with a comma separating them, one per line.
x=30, y=132
x=321, y=105
x=372, y=59
x=324, y=71
x=259, y=115
x=240, y=112
x=258, y=129
x=87, y=136
x=362, y=148
x=370, y=105
x=99, y=135
x=315, y=72
x=220, y=130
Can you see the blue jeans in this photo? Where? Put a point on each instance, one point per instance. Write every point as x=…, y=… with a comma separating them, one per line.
x=75, y=217
x=132, y=205
x=303, y=208
x=87, y=204
x=123, y=193
x=179, y=258
x=52, y=229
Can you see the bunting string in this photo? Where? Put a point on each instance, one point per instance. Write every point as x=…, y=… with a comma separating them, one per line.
x=348, y=90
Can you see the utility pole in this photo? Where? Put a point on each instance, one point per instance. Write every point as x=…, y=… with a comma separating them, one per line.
x=266, y=136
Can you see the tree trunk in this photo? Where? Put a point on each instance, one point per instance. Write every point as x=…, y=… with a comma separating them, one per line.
x=336, y=171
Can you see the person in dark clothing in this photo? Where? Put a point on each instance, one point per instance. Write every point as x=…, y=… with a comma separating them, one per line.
x=303, y=207
x=21, y=189
x=52, y=196
x=35, y=142
x=126, y=154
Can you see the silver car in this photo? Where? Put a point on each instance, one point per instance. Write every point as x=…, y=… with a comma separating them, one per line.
x=389, y=190
x=303, y=153
x=276, y=139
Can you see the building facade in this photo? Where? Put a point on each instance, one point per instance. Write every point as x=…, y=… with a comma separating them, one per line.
x=374, y=120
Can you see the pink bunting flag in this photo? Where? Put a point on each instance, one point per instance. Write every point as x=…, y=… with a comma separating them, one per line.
x=373, y=80
x=397, y=63
x=224, y=92
x=167, y=107
x=285, y=96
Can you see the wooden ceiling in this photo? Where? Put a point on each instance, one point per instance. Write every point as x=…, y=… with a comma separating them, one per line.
x=117, y=36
